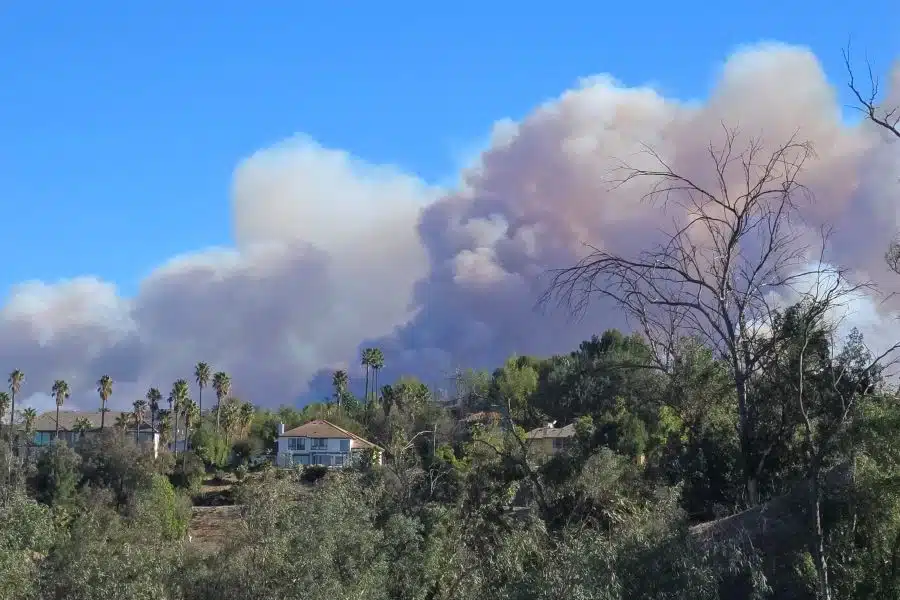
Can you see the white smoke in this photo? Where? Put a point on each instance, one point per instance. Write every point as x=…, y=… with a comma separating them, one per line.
x=332, y=253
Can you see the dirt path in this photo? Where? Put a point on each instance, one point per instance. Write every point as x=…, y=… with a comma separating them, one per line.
x=211, y=526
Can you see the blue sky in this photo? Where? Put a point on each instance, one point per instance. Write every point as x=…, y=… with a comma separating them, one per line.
x=121, y=122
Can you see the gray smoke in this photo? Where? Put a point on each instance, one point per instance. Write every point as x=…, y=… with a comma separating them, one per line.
x=333, y=254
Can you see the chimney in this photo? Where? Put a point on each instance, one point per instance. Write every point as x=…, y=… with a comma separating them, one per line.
x=550, y=424
x=281, y=429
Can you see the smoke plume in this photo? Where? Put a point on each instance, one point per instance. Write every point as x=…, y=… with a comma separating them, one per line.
x=333, y=254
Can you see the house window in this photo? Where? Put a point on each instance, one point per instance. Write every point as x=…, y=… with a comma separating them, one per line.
x=345, y=445
x=324, y=460
x=319, y=444
x=296, y=444
x=558, y=443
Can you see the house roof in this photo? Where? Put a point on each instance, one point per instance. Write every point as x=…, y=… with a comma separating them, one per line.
x=551, y=432
x=321, y=428
x=47, y=421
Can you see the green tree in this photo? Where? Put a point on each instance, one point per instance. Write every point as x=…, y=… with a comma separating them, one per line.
x=140, y=407
x=221, y=383
x=60, y=393
x=57, y=475
x=191, y=418
x=514, y=386
x=81, y=426
x=366, y=360
x=105, y=389
x=154, y=398
x=178, y=398
x=5, y=402
x=123, y=420
x=15, y=381
x=376, y=363
x=231, y=416
x=29, y=416
x=27, y=534
x=339, y=382
x=202, y=375
x=245, y=418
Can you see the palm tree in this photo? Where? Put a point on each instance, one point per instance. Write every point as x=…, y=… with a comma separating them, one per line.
x=165, y=428
x=123, y=420
x=178, y=398
x=339, y=381
x=191, y=418
x=221, y=382
x=104, y=388
x=82, y=425
x=140, y=406
x=377, y=363
x=60, y=393
x=16, y=379
x=246, y=417
x=366, y=361
x=202, y=374
x=230, y=416
x=29, y=416
x=154, y=397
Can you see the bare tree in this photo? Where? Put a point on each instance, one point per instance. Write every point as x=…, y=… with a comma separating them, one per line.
x=886, y=117
x=869, y=103
x=732, y=244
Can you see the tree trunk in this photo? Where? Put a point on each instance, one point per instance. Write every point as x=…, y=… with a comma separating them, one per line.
x=218, y=411
x=13, y=448
x=175, y=435
x=57, y=422
x=751, y=480
x=200, y=403
x=102, y=413
x=817, y=542
x=367, y=383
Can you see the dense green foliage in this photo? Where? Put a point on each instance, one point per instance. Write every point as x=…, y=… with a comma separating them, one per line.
x=647, y=500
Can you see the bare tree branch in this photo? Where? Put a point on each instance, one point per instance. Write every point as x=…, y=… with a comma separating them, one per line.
x=735, y=246
x=892, y=256
x=887, y=118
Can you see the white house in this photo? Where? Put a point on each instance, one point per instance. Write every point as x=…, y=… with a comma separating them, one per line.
x=321, y=443
x=45, y=428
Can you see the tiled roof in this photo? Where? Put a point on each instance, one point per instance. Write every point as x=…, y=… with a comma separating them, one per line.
x=47, y=421
x=551, y=432
x=320, y=428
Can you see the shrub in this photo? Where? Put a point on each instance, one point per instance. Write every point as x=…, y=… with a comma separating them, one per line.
x=159, y=508
x=247, y=449
x=241, y=472
x=189, y=472
x=313, y=473
x=57, y=476
x=112, y=461
x=210, y=446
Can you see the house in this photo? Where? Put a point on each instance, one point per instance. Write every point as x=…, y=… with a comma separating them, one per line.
x=320, y=443
x=550, y=439
x=45, y=428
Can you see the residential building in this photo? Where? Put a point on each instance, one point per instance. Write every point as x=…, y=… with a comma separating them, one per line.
x=45, y=428
x=550, y=439
x=321, y=443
